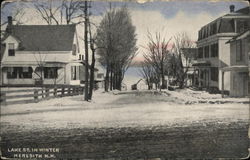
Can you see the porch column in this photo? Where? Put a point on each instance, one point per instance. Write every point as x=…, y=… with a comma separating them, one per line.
x=199, y=77
x=64, y=77
x=208, y=77
x=222, y=87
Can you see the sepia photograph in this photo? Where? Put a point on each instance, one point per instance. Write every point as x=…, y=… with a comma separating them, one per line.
x=124, y=79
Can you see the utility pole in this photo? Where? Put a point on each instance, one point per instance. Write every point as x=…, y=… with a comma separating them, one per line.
x=86, y=21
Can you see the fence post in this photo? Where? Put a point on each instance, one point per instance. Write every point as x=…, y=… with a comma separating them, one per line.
x=74, y=91
x=69, y=91
x=47, y=92
x=82, y=90
x=63, y=91
x=3, y=98
x=55, y=92
x=77, y=91
x=42, y=93
x=36, y=95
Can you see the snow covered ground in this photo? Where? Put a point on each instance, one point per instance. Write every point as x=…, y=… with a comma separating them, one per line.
x=137, y=109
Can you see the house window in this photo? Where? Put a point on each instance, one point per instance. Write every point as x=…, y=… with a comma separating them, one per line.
x=11, y=51
x=99, y=75
x=50, y=72
x=202, y=33
x=207, y=52
x=74, y=50
x=199, y=37
x=73, y=72
x=242, y=25
x=202, y=75
x=214, y=73
x=239, y=54
x=25, y=72
x=213, y=29
x=214, y=50
x=12, y=72
x=200, y=52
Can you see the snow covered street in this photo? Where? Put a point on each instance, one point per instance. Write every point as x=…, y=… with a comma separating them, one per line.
x=137, y=109
x=130, y=125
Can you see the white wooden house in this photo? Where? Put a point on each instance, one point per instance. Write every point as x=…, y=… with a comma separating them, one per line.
x=213, y=51
x=35, y=54
x=239, y=65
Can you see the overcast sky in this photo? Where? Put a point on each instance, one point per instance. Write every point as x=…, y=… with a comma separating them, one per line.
x=168, y=17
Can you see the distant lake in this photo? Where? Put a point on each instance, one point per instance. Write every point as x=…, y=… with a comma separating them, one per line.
x=132, y=76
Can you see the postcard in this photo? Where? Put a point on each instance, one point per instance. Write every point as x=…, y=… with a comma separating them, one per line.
x=145, y=79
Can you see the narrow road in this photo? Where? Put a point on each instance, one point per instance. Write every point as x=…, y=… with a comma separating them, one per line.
x=128, y=126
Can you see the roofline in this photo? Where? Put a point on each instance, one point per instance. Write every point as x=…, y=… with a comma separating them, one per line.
x=11, y=36
x=236, y=37
x=47, y=25
x=224, y=16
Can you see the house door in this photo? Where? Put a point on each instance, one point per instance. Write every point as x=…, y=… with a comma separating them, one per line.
x=242, y=85
x=245, y=82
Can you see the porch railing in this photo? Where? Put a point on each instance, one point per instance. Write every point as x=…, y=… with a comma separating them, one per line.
x=31, y=95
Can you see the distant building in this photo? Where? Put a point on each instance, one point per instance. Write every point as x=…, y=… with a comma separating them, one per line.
x=213, y=51
x=189, y=56
x=41, y=54
x=239, y=65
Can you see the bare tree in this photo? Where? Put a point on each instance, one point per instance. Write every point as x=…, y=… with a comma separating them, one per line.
x=147, y=72
x=116, y=37
x=72, y=10
x=156, y=55
x=40, y=60
x=48, y=11
x=17, y=13
x=66, y=12
x=181, y=45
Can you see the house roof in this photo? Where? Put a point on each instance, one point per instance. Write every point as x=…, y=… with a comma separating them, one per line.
x=240, y=36
x=44, y=37
x=242, y=11
x=245, y=10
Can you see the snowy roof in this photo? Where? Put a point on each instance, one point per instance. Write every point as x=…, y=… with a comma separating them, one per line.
x=44, y=37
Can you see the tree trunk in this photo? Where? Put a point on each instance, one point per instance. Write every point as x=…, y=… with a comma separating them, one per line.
x=107, y=78
x=111, y=78
x=92, y=75
x=86, y=52
x=162, y=77
x=115, y=80
x=119, y=80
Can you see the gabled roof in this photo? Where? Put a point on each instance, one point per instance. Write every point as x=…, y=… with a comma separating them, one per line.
x=44, y=37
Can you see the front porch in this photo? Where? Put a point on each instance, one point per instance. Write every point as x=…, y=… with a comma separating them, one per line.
x=48, y=73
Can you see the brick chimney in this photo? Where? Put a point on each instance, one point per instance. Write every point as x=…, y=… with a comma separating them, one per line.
x=231, y=8
x=9, y=26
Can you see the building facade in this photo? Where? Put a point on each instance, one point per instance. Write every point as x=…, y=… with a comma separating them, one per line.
x=239, y=65
x=213, y=51
x=41, y=54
